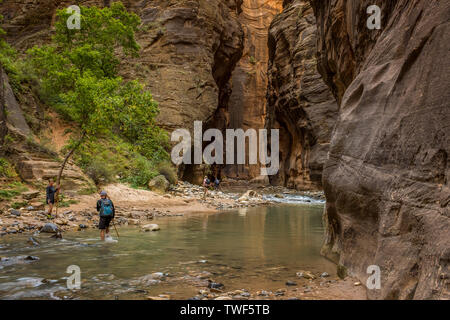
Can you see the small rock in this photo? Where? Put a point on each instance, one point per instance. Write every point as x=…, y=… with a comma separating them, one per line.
x=156, y=298
x=263, y=293
x=157, y=275
x=357, y=283
x=38, y=205
x=15, y=212
x=57, y=235
x=31, y=258
x=133, y=221
x=33, y=241
x=150, y=227
x=215, y=285
x=306, y=274
x=291, y=283
x=324, y=275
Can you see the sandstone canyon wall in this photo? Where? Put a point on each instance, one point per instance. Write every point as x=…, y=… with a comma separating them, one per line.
x=188, y=50
x=299, y=102
x=246, y=107
x=387, y=177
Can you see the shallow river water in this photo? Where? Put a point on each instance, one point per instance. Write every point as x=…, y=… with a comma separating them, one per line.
x=252, y=249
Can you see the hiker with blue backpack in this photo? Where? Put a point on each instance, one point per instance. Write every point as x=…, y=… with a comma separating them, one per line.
x=106, y=209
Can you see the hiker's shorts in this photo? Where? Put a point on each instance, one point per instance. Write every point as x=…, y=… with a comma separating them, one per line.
x=104, y=222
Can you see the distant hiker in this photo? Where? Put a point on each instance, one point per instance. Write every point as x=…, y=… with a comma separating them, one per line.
x=50, y=199
x=206, y=184
x=216, y=183
x=107, y=211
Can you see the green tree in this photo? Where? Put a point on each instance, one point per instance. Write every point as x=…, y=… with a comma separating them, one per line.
x=78, y=76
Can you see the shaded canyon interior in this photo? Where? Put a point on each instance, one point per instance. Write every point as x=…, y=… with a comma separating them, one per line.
x=363, y=114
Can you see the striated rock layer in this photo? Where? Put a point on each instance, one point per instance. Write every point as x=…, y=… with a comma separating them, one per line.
x=246, y=106
x=188, y=50
x=299, y=102
x=387, y=177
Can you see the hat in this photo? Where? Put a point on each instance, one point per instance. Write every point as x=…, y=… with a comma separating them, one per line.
x=103, y=193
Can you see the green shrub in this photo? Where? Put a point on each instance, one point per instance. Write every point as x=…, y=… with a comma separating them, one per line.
x=6, y=169
x=18, y=205
x=141, y=173
x=168, y=171
x=8, y=194
x=100, y=171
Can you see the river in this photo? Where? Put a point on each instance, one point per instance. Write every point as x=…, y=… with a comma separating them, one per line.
x=252, y=249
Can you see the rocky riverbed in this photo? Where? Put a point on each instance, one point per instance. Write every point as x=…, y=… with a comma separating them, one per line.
x=137, y=207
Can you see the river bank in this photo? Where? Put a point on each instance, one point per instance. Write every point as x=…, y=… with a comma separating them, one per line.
x=137, y=207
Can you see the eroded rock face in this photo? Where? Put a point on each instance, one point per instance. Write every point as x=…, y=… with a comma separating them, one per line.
x=299, y=102
x=245, y=107
x=387, y=177
x=188, y=51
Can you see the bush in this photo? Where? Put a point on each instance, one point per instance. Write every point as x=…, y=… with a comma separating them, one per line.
x=168, y=171
x=6, y=169
x=18, y=205
x=142, y=172
x=99, y=171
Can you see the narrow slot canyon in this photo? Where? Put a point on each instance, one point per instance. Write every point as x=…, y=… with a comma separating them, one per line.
x=364, y=145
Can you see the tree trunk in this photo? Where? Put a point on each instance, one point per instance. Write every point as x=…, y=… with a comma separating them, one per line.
x=63, y=165
x=58, y=180
x=3, y=127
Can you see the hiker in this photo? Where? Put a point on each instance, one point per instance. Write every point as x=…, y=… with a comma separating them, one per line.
x=206, y=184
x=216, y=183
x=50, y=198
x=107, y=211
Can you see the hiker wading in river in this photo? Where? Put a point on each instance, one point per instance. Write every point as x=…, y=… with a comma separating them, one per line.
x=106, y=209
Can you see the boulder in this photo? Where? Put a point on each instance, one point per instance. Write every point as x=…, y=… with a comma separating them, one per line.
x=38, y=205
x=29, y=195
x=150, y=227
x=159, y=184
x=50, y=228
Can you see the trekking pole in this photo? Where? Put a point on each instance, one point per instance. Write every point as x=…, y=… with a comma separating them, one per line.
x=57, y=203
x=115, y=228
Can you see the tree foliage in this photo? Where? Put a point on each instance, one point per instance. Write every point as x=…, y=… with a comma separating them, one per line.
x=78, y=76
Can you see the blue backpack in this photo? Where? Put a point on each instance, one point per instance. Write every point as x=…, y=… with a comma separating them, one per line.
x=107, y=208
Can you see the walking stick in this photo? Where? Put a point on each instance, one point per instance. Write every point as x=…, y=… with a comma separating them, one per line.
x=115, y=228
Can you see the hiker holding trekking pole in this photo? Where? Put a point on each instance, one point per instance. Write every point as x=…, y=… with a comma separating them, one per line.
x=50, y=197
x=107, y=211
